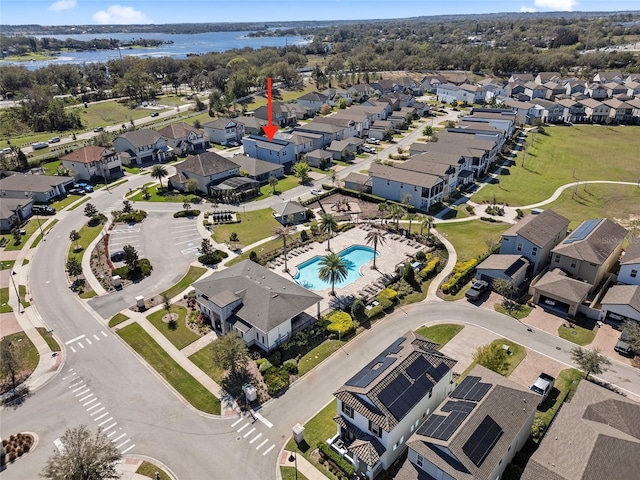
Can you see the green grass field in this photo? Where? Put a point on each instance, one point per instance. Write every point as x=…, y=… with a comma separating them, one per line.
x=318, y=355
x=87, y=235
x=4, y=300
x=284, y=184
x=172, y=196
x=472, y=238
x=178, y=334
x=27, y=352
x=111, y=113
x=203, y=359
x=562, y=154
x=566, y=383
x=30, y=228
x=254, y=226
x=53, y=345
x=442, y=333
x=38, y=239
x=193, y=274
x=178, y=378
x=117, y=319
x=318, y=429
x=518, y=353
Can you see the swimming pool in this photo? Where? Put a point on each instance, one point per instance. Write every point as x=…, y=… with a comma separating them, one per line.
x=355, y=256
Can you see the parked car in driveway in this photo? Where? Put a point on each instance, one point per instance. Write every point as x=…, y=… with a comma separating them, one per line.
x=43, y=210
x=477, y=289
x=84, y=186
x=373, y=141
x=76, y=191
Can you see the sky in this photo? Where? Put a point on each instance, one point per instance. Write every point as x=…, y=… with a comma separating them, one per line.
x=100, y=12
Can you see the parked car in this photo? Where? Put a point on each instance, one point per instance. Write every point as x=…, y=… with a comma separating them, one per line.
x=39, y=145
x=76, y=191
x=543, y=385
x=316, y=191
x=117, y=256
x=373, y=141
x=155, y=114
x=84, y=186
x=477, y=288
x=6, y=151
x=623, y=345
x=368, y=149
x=98, y=129
x=43, y=210
x=54, y=139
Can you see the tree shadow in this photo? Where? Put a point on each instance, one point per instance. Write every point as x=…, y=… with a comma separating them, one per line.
x=232, y=384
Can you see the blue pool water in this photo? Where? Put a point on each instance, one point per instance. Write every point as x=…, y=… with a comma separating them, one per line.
x=355, y=256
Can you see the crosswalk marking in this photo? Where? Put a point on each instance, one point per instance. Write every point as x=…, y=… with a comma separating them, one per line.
x=103, y=334
x=84, y=398
x=109, y=427
x=74, y=339
x=268, y=449
x=263, y=420
x=82, y=393
x=79, y=388
x=94, y=406
x=263, y=442
x=128, y=448
x=116, y=439
x=73, y=349
x=124, y=443
x=89, y=402
x=101, y=416
x=96, y=337
x=89, y=342
x=81, y=345
x=249, y=432
x=255, y=438
x=112, y=433
x=242, y=427
x=97, y=411
x=76, y=384
x=105, y=421
x=237, y=422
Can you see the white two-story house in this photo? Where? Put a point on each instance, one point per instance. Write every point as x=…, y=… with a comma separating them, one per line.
x=630, y=264
x=422, y=190
x=184, y=138
x=207, y=168
x=142, y=146
x=88, y=162
x=385, y=402
x=224, y=131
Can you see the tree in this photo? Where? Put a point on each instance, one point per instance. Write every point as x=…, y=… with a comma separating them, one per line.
x=186, y=206
x=493, y=357
x=130, y=256
x=10, y=360
x=230, y=352
x=90, y=210
x=85, y=456
x=23, y=162
x=507, y=289
x=17, y=235
x=333, y=268
x=427, y=222
x=428, y=130
x=375, y=237
x=74, y=236
x=397, y=212
x=328, y=225
x=301, y=170
x=411, y=217
x=383, y=207
x=145, y=192
x=590, y=361
x=358, y=309
x=284, y=232
x=206, y=248
x=191, y=185
x=408, y=274
x=233, y=238
x=159, y=172
x=632, y=328
x=73, y=267
x=273, y=183
x=127, y=207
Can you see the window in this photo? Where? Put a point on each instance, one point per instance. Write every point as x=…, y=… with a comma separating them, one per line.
x=573, y=263
x=519, y=247
x=426, y=412
x=557, y=258
x=634, y=273
x=375, y=429
x=534, y=251
x=347, y=410
x=419, y=460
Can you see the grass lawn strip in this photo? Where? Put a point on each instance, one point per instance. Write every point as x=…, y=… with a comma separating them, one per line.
x=255, y=226
x=185, y=282
x=174, y=374
x=166, y=196
x=473, y=238
x=520, y=311
x=7, y=264
x=518, y=352
x=203, y=359
x=46, y=229
x=318, y=355
x=4, y=300
x=284, y=184
x=442, y=333
x=30, y=228
x=87, y=235
x=27, y=352
x=22, y=290
x=117, y=319
x=289, y=473
x=179, y=334
x=578, y=335
x=563, y=388
x=562, y=154
x=149, y=470
x=65, y=202
x=81, y=202
x=53, y=345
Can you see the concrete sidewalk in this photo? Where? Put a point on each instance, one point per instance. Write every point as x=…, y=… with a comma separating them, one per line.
x=129, y=464
x=293, y=460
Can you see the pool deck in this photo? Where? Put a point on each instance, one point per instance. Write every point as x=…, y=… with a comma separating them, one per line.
x=390, y=253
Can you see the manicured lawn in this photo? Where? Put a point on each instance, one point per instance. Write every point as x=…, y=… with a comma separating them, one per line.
x=178, y=378
x=473, y=238
x=22, y=290
x=87, y=235
x=178, y=334
x=289, y=473
x=65, y=202
x=166, y=196
x=29, y=228
x=45, y=229
x=519, y=311
x=82, y=202
x=117, y=319
x=318, y=355
x=254, y=226
x=318, y=429
x=554, y=158
x=149, y=470
x=619, y=202
x=7, y=264
x=281, y=96
x=110, y=113
x=191, y=276
x=27, y=352
x=4, y=300
x=565, y=385
x=284, y=184
x=578, y=335
x=88, y=294
x=518, y=353
x=442, y=333
x=203, y=359
x=53, y=345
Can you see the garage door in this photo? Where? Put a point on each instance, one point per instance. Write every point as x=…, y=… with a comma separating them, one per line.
x=554, y=306
x=147, y=159
x=486, y=278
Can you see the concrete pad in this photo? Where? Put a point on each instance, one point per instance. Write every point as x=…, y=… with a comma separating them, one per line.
x=606, y=338
x=465, y=343
x=532, y=366
x=8, y=324
x=538, y=318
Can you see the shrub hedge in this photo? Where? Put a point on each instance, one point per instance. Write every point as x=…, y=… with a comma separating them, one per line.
x=186, y=213
x=332, y=455
x=134, y=217
x=459, y=276
x=340, y=322
x=277, y=379
x=431, y=267
x=213, y=258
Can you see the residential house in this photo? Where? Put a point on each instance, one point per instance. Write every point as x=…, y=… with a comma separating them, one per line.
x=630, y=264
x=348, y=125
x=257, y=169
x=392, y=99
x=447, y=166
x=513, y=89
x=142, y=146
x=477, y=150
x=358, y=182
x=480, y=130
x=381, y=129
x=315, y=139
x=502, y=119
x=301, y=143
x=596, y=111
x=633, y=89
x=492, y=91
x=454, y=94
x=521, y=77
x=559, y=294
x=422, y=190
x=635, y=104
x=597, y=91
x=361, y=92
x=207, y=168
x=260, y=306
x=381, y=405
x=474, y=434
x=329, y=131
x=289, y=213
x=283, y=114
x=621, y=112
x=276, y=151
x=39, y=188
x=431, y=81
x=552, y=111
x=505, y=267
x=224, y=131
x=479, y=92
x=383, y=86
x=313, y=100
x=335, y=94
x=319, y=158
x=184, y=138
x=574, y=86
x=534, y=90
x=408, y=85
x=595, y=435
x=609, y=76
x=527, y=113
x=534, y=236
x=573, y=112
x=375, y=109
x=252, y=125
x=614, y=89
x=14, y=211
x=89, y=162
x=544, y=77
x=621, y=303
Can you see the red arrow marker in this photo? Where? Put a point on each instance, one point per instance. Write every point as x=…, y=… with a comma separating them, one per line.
x=269, y=129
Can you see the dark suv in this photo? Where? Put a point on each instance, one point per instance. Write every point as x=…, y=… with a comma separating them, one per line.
x=43, y=210
x=477, y=289
x=623, y=346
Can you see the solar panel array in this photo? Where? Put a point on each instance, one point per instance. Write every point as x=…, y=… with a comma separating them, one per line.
x=441, y=426
x=582, y=231
x=471, y=389
x=482, y=441
x=377, y=366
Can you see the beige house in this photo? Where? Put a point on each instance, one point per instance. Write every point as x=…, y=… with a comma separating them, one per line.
x=88, y=162
x=184, y=138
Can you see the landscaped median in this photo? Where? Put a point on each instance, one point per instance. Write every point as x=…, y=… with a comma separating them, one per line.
x=187, y=386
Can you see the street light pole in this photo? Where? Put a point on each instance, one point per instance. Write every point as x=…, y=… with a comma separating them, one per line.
x=17, y=293
x=37, y=218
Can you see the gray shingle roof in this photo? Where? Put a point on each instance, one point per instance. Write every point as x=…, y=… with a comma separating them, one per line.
x=539, y=229
x=267, y=298
x=32, y=183
x=178, y=130
x=623, y=295
x=558, y=285
x=632, y=253
x=597, y=246
x=412, y=347
x=507, y=403
x=288, y=208
x=595, y=436
x=254, y=166
x=205, y=164
x=404, y=176
x=143, y=137
x=510, y=264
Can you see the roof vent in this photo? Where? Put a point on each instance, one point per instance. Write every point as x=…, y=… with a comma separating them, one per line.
x=274, y=295
x=284, y=287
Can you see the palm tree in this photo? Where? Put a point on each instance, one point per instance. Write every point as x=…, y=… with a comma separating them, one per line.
x=427, y=222
x=382, y=208
x=328, y=225
x=284, y=232
x=411, y=217
x=273, y=183
x=159, y=172
x=397, y=211
x=333, y=268
x=374, y=237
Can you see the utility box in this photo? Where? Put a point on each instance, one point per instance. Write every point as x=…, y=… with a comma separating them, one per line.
x=140, y=301
x=298, y=433
x=117, y=281
x=250, y=393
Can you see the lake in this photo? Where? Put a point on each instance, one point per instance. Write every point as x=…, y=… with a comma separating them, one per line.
x=181, y=46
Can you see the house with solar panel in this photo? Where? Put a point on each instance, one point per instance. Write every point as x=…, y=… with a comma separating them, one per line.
x=475, y=433
x=385, y=402
x=578, y=265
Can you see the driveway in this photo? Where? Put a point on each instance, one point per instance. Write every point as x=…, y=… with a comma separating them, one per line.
x=465, y=343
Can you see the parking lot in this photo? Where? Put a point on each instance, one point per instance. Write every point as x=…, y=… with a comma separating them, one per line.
x=185, y=236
